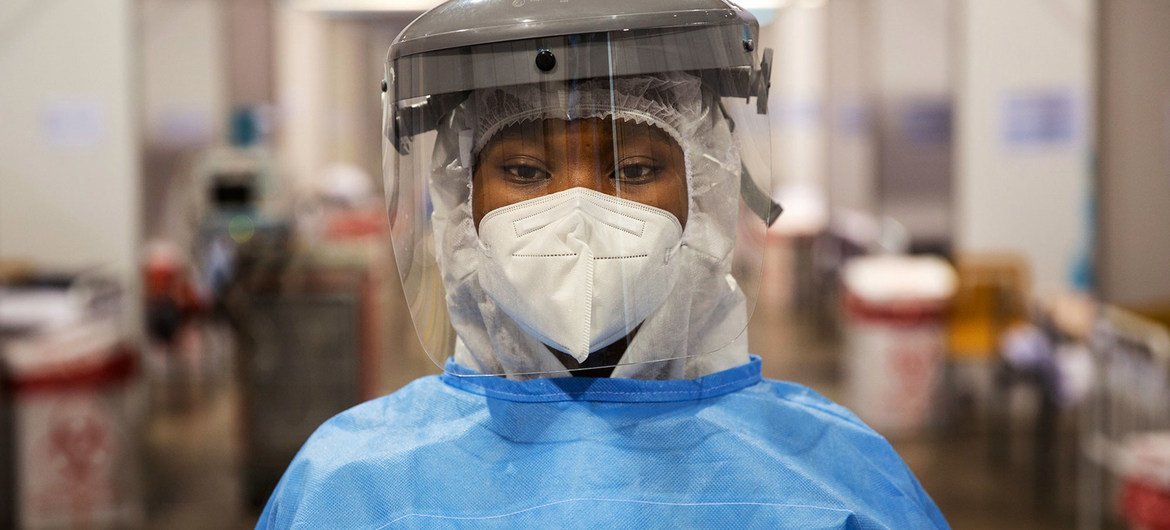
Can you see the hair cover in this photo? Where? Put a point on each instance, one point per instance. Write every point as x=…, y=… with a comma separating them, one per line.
x=700, y=328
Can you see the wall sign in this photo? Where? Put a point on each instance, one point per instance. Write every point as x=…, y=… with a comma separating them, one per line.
x=1041, y=118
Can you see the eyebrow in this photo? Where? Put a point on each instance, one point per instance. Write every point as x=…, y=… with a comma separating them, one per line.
x=627, y=133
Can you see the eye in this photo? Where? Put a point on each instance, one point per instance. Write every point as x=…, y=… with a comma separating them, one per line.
x=525, y=172
x=637, y=172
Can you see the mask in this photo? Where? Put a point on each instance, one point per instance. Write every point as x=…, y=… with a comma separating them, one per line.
x=578, y=269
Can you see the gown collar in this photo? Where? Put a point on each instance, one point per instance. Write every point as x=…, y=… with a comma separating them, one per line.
x=603, y=389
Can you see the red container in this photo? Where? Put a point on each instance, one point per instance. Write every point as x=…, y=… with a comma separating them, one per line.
x=76, y=412
x=1145, y=470
x=894, y=339
x=1146, y=506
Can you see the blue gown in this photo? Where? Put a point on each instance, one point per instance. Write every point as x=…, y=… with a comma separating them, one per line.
x=727, y=450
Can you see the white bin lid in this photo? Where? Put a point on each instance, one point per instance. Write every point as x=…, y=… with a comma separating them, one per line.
x=1146, y=457
x=899, y=279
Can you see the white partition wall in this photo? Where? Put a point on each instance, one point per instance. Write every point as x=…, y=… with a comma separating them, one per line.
x=912, y=52
x=1024, y=134
x=1134, y=238
x=185, y=81
x=184, y=73
x=796, y=32
x=69, y=148
x=850, y=171
x=890, y=113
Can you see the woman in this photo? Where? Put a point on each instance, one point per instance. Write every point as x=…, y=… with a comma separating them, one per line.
x=581, y=206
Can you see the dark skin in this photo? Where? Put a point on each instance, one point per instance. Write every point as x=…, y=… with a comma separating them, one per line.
x=635, y=162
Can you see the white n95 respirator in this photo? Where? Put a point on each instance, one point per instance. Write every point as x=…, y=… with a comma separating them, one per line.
x=579, y=269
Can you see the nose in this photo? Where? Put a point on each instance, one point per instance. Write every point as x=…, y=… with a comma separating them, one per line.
x=587, y=175
x=587, y=157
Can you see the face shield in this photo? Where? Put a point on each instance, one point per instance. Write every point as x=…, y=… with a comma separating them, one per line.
x=577, y=186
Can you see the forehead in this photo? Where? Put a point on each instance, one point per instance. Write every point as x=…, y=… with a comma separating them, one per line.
x=547, y=130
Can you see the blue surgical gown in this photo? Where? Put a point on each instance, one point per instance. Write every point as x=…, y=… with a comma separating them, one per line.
x=727, y=450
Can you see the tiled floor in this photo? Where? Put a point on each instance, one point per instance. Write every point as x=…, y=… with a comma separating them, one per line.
x=194, y=447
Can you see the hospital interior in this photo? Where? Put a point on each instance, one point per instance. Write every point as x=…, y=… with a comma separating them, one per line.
x=196, y=267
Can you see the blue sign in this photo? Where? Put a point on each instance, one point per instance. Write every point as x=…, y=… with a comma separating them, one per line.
x=1039, y=118
x=927, y=121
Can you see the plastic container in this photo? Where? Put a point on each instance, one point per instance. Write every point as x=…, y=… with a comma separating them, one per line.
x=894, y=309
x=76, y=415
x=1145, y=471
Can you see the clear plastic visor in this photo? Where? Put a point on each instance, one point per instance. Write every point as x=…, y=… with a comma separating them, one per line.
x=608, y=225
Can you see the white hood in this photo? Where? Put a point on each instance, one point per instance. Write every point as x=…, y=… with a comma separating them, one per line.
x=700, y=329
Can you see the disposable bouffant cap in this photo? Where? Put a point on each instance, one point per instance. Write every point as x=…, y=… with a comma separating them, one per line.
x=669, y=101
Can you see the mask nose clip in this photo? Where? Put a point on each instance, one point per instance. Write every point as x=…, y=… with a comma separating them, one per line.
x=584, y=203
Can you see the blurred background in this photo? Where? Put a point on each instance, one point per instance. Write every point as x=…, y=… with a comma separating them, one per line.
x=195, y=267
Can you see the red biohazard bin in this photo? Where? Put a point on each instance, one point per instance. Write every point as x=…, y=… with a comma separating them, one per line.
x=74, y=411
x=894, y=309
x=1145, y=471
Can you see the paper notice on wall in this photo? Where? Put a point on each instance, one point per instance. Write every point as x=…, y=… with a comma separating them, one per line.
x=927, y=121
x=182, y=127
x=854, y=117
x=798, y=113
x=1045, y=118
x=73, y=124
